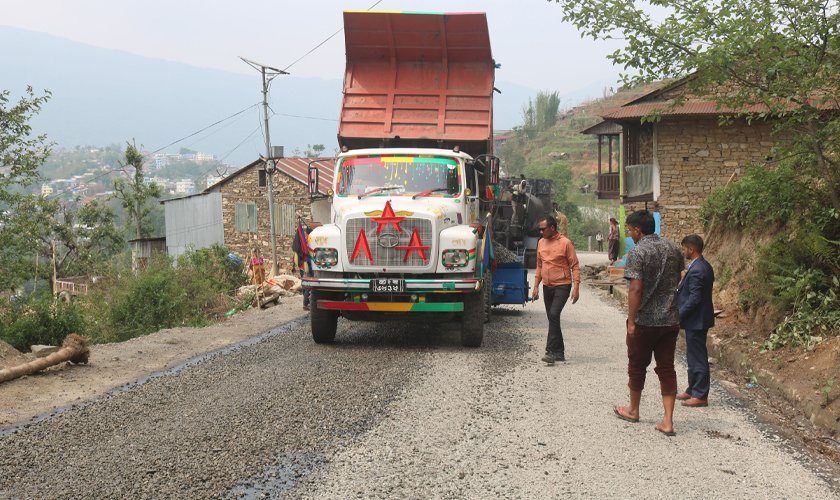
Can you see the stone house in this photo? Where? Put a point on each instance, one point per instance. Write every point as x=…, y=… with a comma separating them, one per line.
x=234, y=211
x=671, y=166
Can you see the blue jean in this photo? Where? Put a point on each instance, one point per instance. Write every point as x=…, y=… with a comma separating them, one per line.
x=697, y=356
x=555, y=298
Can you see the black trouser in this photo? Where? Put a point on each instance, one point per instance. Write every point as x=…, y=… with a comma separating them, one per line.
x=555, y=298
x=697, y=356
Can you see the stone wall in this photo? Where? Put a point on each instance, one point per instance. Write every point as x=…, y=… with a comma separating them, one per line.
x=244, y=188
x=696, y=156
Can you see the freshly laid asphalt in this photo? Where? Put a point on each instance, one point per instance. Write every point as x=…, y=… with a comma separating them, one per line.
x=401, y=410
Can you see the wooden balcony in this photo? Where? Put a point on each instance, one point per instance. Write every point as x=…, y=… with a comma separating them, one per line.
x=608, y=186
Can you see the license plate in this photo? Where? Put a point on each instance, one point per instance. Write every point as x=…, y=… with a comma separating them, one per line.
x=387, y=285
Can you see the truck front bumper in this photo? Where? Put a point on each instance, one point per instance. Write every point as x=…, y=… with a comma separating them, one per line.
x=419, y=288
x=411, y=285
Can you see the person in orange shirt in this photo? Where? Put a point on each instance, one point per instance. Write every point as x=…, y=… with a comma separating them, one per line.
x=559, y=272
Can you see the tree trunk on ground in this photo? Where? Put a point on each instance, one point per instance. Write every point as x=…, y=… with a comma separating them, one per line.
x=73, y=349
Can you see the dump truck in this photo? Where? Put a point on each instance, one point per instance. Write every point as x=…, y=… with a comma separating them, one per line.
x=409, y=235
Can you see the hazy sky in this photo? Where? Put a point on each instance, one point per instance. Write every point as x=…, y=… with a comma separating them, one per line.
x=528, y=38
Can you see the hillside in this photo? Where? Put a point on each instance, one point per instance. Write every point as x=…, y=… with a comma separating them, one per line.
x=102, y=97
x=562, y=153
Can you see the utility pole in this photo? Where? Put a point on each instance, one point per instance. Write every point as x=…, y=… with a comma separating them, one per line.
x=268, y=73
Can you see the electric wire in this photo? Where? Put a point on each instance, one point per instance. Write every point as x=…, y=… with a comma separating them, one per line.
x=64, y=191
x=205, y=128
x=323, y=42
x=58, y=193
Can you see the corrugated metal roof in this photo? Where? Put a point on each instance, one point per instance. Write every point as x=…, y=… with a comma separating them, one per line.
x=691, y=108
x=603, y=128
x=296, y=168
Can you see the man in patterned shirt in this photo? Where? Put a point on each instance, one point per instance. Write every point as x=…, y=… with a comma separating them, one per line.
x=653, y=321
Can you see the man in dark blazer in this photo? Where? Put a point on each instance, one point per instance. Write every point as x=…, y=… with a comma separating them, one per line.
x=697, y=315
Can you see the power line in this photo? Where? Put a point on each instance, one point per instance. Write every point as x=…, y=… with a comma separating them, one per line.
x=241, y=143
x=205, y=128
x=111, y=171
x=306, y=117
x=323, y=42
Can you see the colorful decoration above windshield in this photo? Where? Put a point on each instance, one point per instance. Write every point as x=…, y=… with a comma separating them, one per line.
x=399, y=176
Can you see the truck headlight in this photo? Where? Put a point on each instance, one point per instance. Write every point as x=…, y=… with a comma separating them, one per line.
x=455, y=258
x=326, y=257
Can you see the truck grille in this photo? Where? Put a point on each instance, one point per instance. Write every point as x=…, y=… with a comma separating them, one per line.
x=383, y=254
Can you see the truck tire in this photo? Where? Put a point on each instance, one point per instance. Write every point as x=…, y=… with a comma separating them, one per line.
x=487, y=290
x=472, y=328
x=323, y=321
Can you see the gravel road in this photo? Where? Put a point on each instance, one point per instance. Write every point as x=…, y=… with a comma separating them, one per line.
x=402, y=411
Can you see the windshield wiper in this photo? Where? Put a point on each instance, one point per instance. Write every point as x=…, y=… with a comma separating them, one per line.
x=378, y=190
x=428, y=192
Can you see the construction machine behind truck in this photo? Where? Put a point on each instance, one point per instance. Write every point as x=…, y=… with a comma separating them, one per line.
x=522, y=204
x=409, y=235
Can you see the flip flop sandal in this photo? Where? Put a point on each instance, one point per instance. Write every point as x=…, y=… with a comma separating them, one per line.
x=667, y=433
x=619, y=412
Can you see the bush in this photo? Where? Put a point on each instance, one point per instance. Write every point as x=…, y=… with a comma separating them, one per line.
x=761, y=197
x=814, y=312
x=212, y=267
x=37, y=320
x=126, y=305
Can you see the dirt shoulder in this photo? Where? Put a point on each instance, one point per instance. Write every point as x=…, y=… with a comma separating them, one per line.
x=113, y=365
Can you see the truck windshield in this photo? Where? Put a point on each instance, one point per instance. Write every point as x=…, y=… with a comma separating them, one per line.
x=399, y=175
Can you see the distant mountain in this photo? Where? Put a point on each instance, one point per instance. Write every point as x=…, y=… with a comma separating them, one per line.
x=102, y=96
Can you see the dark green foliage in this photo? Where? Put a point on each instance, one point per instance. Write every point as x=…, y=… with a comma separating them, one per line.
x=763, y=196
x=213, y=268
x=37, y=320
x=21, y=154
x=148, y=302
x=193, y=293
x=814, y=312
x=137, y=197
x=799, y=270
x=541, y=113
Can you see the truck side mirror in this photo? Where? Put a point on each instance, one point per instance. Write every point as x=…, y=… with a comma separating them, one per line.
x=314, y=177
x=494, y=171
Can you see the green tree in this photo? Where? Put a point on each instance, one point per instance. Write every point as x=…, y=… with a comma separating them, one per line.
x=134, y=193
x=20, y=156
x=540, y=114
x=89, y=239
x=777, y=60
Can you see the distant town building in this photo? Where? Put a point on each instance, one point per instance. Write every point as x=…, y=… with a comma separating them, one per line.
x=185, y=186
x=159, y=161
x=213, y=179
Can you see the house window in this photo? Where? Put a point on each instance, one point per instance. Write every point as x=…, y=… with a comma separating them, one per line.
x=261, y=175
x=284, y=219
x=246, y=217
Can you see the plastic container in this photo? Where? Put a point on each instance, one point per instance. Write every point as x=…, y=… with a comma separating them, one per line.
x=510, y=284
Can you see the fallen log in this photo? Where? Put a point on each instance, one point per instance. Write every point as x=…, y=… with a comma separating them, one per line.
x=73, y=349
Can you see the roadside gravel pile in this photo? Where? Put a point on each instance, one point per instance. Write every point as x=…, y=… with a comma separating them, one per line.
x=503, y=255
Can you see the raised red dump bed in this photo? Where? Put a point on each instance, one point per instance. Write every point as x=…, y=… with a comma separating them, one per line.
x=417, y=80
